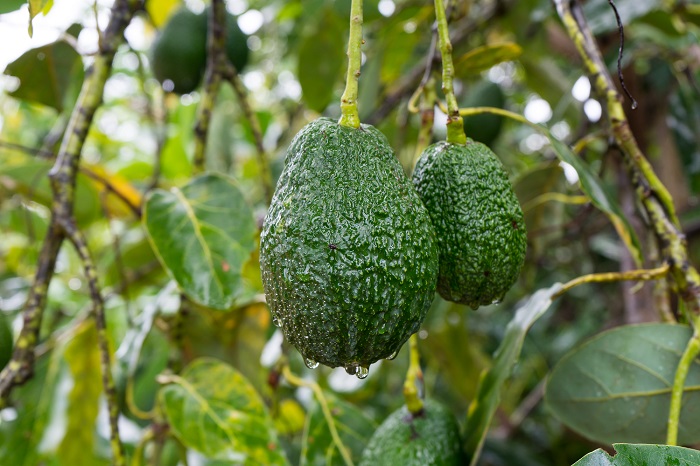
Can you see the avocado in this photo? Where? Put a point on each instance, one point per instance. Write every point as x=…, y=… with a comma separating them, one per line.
x=348, y=254
x=477, y=218
x=179, y=53
x=484, y=127
x=429, y=438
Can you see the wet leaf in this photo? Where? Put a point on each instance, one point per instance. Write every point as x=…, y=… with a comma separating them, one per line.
x=203, y=234
x=50, y=75
x=213, y=409
x=83, y=360
x=321, y=62
x=488, y=396
x=482, y=58
x=633, y=455
x=354, y=429
x=616, y=387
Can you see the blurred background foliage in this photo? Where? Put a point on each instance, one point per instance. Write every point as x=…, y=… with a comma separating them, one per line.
x=143, y=138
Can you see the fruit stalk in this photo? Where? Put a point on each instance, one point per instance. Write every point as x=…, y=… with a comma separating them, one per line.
x=652, y=195
x=455, y=125
x=348, y=102
x=216, y=58
x=414, y=378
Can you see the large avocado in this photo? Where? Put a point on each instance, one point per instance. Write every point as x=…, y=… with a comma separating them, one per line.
x=430, y=438
x=179, y=53
x=477, y=218
x=348, y=253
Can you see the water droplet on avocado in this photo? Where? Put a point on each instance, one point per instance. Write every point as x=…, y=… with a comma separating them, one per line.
x=310, y=363
x=392, y=355
x=351, y=369
x=362, y=372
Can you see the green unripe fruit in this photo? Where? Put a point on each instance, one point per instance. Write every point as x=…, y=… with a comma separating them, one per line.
x=484, y=127
x=477, y=218
x=348, y=253
x=179, y=53
x=430, y=438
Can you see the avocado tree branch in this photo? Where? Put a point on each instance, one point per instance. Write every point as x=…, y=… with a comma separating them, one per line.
x=216, y=60
x=62, y=225
x=455, y=125
x=651, y=193
x=348, y=101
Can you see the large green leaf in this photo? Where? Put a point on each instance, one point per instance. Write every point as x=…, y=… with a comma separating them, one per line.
x=354, y=429
x=636, y=455
x=203, y=234
x=616, y=387
x=213, y=409
x=321, y=58
x=11, y=5
x=50, y=75
x=488, y=396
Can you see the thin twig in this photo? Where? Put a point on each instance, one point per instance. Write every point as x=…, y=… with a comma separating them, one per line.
x=630, y=275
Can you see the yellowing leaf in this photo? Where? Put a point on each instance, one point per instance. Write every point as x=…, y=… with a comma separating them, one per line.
x=160, y=10
x=119, y=184
x=36, y=7
x=290, y=418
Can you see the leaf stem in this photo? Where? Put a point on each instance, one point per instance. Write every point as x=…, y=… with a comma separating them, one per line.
x=643, y=274
x=691, y=352
x=414, y=379
x=348, y=102
x=455, y=125
x=299, y=382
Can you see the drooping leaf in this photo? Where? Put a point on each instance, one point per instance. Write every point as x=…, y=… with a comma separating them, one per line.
x=482, y=58
x=591, y=185
x=203, y=234
x=321, y=58
x=488, y=396
x=36, y=7
x=634, y=455
x=354, y=429
x=83, y=360
x=616, y=387
x=49, y=75
x=213, y=409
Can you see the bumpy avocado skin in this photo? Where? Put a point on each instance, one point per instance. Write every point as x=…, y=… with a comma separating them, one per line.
x=428, y=439
x=179, y=52
x=348, y=254
x=477, y=218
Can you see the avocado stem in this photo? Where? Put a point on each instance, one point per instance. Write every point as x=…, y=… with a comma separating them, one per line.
x=455, y=125
x=348, y=102
x=414, y=377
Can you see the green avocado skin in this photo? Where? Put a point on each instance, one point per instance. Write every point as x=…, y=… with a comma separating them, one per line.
x=179, y=53
x=348, y=254
x=477, y=218
x=428, y=439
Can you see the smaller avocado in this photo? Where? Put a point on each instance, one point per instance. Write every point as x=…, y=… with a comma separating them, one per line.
x=429, y=438
x=484, y=127
x=179, y=53
x=477, y=218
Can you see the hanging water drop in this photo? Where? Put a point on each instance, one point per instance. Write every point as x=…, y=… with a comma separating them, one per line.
x=362, y=372
x=393, y=355
x=276, y=321
x=310, y=363
x=351, y=369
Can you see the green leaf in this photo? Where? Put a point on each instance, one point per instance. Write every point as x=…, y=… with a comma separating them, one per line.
x=601, y=17
x=50, y=75
x=321, y=59
x=634, y=455
x=488, y=396
x=203, y=234
x=591, y=185
x=8, y=6
x=83, y=360
x=354, y=429
x=616, y=387
x=482, y=58
x=213, y=409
